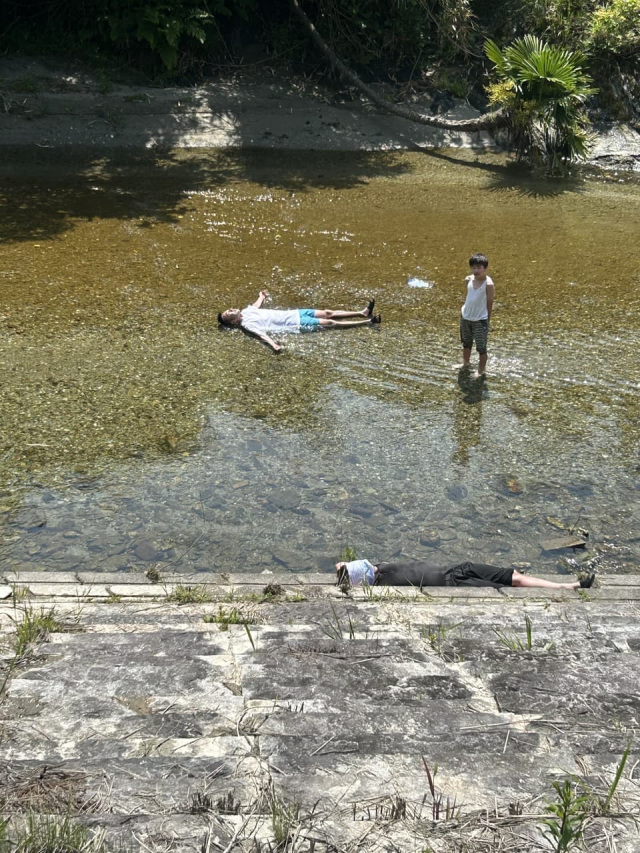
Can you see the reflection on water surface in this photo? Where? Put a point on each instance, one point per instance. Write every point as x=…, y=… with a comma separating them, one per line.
x=132, y=431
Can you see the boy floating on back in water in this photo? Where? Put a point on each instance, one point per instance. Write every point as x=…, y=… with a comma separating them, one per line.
x=259, y=321
x=476, y=313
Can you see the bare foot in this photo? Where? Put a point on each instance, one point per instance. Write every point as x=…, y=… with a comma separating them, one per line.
x=478, y=375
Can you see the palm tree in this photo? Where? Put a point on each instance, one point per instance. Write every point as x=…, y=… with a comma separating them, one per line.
x=542, y=89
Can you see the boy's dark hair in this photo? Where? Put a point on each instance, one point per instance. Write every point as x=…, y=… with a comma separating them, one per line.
x=479, y=260
x=222, y=321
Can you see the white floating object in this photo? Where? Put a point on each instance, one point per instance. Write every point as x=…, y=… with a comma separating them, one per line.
x=419, y=282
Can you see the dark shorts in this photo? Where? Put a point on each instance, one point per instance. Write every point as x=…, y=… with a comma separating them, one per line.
x=474, y=330
x=307, y=317
x=479, y=574
x=419, y=574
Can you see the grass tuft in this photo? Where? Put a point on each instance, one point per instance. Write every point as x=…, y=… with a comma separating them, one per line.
x=233, y=616
x=35, y=627
x=189, y=595
x=52, y=834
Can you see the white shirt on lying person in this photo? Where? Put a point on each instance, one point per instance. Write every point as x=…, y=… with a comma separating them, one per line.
x=260, y=321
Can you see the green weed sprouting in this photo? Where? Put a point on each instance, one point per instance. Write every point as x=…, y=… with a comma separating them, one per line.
x=601, y=805
x=576, y=801
x=189, y=595
x=567, y=815
x=53, y=834
x=19, y=593
x=35, y=627
x=437, y=635
x=224, y=618
x=449, y=809
x=334, y=628
x=514, y=642
x=250, y=636
x=616, y=779
x=348, y=554
x=284, y=818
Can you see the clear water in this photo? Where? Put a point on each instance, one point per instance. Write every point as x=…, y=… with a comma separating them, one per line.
x=133, y=432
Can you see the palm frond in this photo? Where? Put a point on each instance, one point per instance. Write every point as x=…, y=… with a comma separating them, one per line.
x=548, y=87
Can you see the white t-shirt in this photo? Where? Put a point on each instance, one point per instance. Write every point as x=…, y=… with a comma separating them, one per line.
x=261, y=321
x=475, y=306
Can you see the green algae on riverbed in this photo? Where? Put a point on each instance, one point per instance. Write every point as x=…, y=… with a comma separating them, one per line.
x=114, y=267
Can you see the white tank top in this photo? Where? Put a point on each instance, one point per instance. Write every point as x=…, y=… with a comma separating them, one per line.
x=475, y=306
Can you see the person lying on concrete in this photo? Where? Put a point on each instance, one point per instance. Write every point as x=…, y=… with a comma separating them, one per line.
x=420, y=574
x=259, y=321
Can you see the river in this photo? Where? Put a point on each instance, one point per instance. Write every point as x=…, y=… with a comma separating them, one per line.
x=134, y=433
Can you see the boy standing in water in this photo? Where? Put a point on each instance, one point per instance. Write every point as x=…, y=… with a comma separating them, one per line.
x=476, y=313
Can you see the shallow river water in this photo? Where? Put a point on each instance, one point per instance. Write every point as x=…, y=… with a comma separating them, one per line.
x=133, y=432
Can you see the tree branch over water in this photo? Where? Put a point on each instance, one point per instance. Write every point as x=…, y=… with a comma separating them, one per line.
x=486, y=122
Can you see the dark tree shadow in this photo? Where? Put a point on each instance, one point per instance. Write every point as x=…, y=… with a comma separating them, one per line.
x=516, y=178
x=44, y=191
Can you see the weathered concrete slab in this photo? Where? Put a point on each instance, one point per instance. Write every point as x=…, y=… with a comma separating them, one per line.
x=112, y=577
x=131, y=590
x=327, y=711
x=54, y=578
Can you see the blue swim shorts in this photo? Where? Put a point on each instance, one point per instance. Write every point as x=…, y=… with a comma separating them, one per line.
x=306, y=317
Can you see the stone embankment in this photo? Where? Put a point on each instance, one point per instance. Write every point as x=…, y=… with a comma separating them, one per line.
x=44, y=104
x=208, y=713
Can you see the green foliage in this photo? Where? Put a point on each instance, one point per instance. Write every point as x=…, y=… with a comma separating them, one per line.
x=333, y=627
x=398, y=37
x=451, y=80
x=161, y=24
x=567, y=814
x=615, y=28
x=542, y=89
x=35, y=627
x=168, y=30
x=233, y=616
x=189, y=595
x=49, y=834
x=605, y=805
x=284, y=818
x=514, y=642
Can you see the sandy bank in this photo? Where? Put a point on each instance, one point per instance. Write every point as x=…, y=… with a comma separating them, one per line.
x=48, y=105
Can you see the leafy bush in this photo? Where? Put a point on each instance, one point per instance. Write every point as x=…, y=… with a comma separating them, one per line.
x=616, y=28
x=168, y=30
x=160, y=25
x=542, y=89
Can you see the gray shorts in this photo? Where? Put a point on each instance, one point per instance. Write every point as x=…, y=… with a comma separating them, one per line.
x=474, y=330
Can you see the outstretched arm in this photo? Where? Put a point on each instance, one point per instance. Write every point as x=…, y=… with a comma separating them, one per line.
x=261, y=299
x=274, y=346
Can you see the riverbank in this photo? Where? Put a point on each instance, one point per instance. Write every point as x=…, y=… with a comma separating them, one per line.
x=48, y=105
x=213, y=712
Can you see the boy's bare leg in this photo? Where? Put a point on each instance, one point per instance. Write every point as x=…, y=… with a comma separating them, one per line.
x=482, y=364
x=519, y=580
x=466, y=360
x=329, y=314
x=327, y=323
